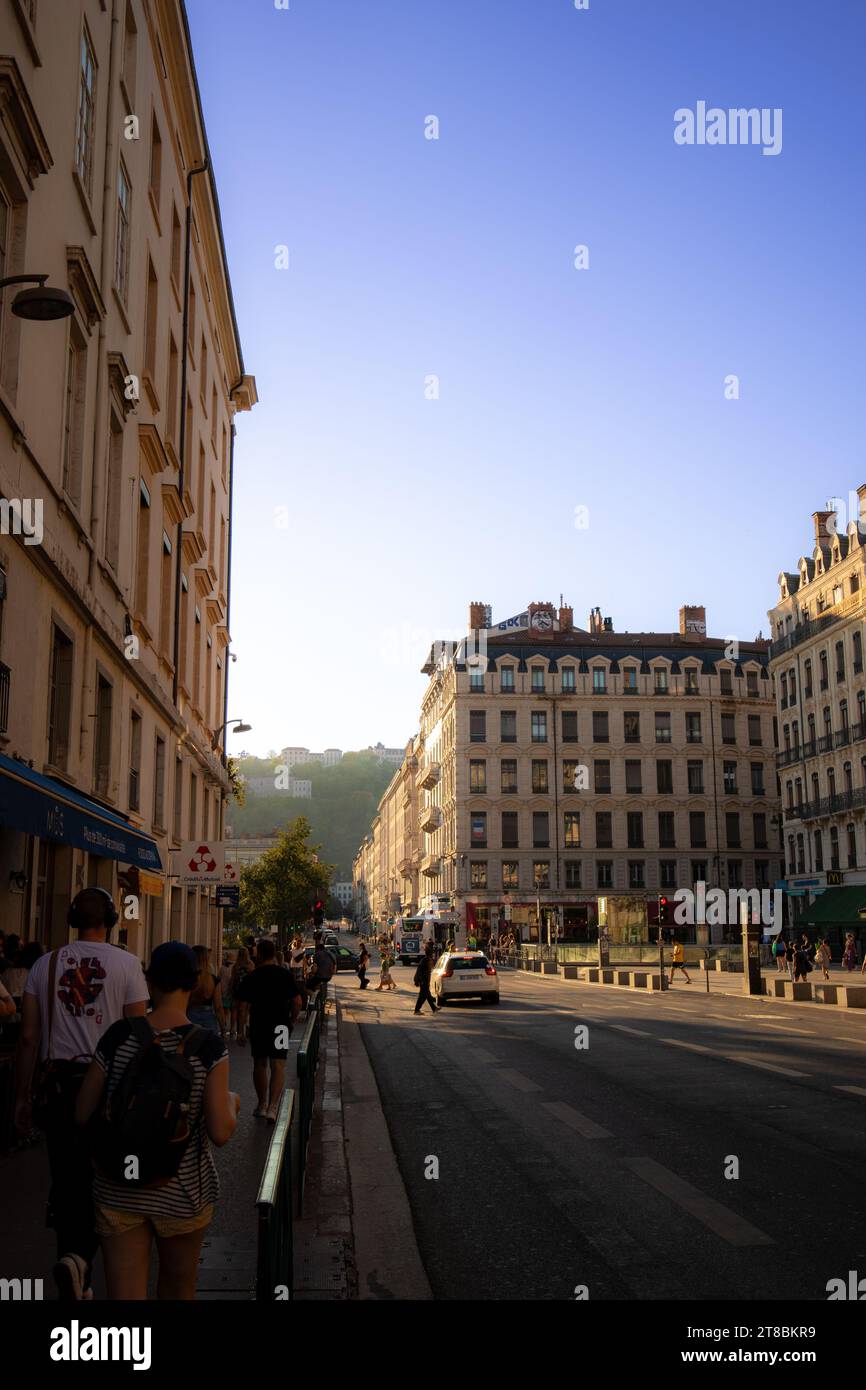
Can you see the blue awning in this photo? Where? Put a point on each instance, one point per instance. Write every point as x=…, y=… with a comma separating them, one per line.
x=42, y=806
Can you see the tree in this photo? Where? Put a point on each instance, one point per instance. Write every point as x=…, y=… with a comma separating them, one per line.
x=280, y=888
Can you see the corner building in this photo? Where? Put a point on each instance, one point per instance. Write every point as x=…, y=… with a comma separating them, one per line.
x=110, y=709
x=816, y=658
x=559, y=766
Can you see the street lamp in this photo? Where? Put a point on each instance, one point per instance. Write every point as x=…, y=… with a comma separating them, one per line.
x=40, y=305
x=240, y=728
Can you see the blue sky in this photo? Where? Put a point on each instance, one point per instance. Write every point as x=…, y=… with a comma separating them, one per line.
x=558, y=388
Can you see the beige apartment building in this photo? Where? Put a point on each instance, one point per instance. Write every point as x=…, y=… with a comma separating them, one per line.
x=117, y=431
x=559, y=772
x=817, y=661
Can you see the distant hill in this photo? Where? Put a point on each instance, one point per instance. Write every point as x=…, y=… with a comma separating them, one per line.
x=340, y=810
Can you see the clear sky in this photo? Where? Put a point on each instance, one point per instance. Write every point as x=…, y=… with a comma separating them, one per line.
x=559, y=388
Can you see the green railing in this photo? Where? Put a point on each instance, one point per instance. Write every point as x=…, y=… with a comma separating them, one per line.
x=308, y=1061
x=274, y=1206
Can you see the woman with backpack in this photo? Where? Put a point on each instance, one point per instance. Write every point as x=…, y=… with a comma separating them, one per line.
x=206, y=1002
x=822, y=957
x=154, y=1098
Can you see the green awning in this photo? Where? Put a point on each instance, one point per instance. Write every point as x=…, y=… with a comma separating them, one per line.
x=838, y=907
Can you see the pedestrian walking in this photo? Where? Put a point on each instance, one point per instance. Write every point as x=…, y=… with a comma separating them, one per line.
x=324, y=965
x=273, y=1001
x=363, y=961
x=849, y=952
x=157, y=1091
x=385, y=979
x=678, y=962
x=780, y=952
x=205, y=1001
x=226, y=972
x=822, y=957
x=72, y=995
x=241, y=968
x=802, y=963
x=422, y=979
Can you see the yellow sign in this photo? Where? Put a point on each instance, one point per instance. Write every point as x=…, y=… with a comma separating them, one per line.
x=151, y=884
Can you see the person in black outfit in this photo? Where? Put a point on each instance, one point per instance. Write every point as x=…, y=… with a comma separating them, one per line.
x=273, y=999
x=362, y=965
x=422, y=979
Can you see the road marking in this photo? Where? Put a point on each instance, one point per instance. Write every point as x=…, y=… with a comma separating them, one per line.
x=517, y=1080
x=573, y=1118
x=836, y=1038
x=765, y=1066
x=807, y=1032
x=854, y=1090
x=692, y=1047
x=480, y=1055
x=724, y=1222
x=638, y=1032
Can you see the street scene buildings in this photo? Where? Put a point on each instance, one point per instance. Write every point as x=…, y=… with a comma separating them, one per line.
x=410, y=1013
x=557, y=766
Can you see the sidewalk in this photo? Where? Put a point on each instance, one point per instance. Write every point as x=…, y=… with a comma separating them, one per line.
x=343, y=1249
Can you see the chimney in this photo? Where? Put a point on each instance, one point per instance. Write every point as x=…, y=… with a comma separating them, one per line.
x=861, y=519
x=477, y=616
x=566, y=619
x=595, y=623
x=825, y=528
x=693, y=621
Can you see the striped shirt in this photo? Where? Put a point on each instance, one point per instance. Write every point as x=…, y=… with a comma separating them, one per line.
x=196, y=1184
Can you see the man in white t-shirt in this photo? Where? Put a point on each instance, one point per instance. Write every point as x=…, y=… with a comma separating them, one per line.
x=92, y=985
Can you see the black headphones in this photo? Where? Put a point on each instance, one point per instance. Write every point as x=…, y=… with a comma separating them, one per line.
x=75, y=919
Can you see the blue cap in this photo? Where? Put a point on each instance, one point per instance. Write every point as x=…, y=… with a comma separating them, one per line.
x=171, y=953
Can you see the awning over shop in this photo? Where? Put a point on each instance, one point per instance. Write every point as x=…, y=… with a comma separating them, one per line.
x=41, y=806
x=838, y=907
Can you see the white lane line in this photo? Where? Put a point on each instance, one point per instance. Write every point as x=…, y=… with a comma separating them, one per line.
x=724, y=1222
x=692, y=1047
x=836, y=1038
x=764, y=1066
x=638, y=1032
x=854, y=1090
x=480, y=1055
x=517, y=1079
x=587, y=1128
x=786, y=1028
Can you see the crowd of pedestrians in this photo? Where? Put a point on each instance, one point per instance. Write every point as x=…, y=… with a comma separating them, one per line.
x=799, y=957
x=126, y=1071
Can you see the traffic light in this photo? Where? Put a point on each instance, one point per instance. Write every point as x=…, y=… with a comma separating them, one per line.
x=663, y=910
x=318, y=912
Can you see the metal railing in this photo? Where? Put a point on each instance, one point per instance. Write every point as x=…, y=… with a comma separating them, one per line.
x=630, y=953
x=274, y=1260
x=308, y=1061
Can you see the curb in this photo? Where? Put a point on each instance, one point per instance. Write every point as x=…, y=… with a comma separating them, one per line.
x=387, y=1258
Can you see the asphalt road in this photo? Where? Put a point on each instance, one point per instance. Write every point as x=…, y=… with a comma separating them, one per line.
x=604, y=1165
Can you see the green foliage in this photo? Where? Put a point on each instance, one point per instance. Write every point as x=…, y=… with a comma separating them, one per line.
x=279, y=888
x=344, y=801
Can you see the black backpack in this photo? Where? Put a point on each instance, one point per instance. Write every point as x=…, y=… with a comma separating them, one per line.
x=147, y=1114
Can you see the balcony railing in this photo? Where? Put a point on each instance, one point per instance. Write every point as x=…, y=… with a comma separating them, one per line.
x=828, y=805
x=854, y=733
x=815, y=627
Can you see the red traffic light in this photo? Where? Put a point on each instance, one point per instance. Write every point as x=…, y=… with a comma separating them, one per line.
x=663, y=902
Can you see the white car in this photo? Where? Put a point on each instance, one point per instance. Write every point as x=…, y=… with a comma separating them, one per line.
x=464, y=975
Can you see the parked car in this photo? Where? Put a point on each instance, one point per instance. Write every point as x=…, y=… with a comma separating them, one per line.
x=464, y=975
x=346, y=959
